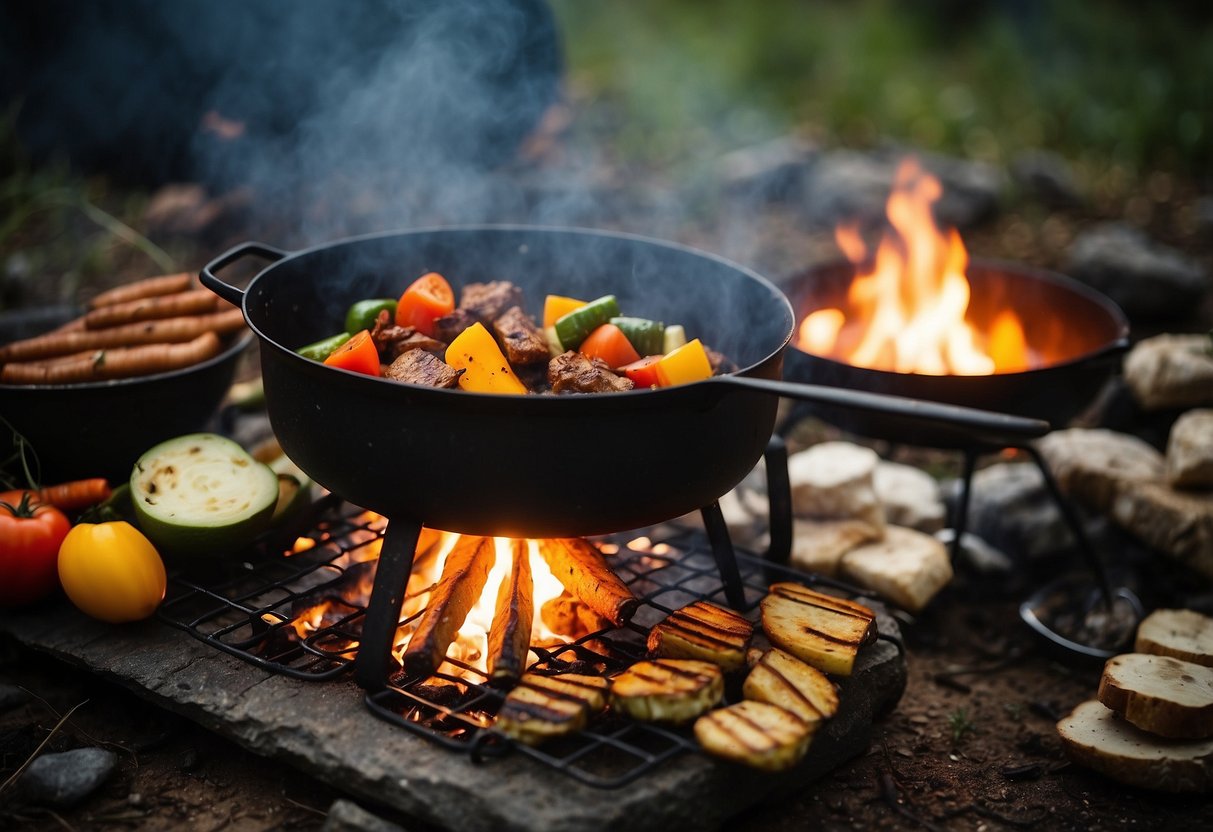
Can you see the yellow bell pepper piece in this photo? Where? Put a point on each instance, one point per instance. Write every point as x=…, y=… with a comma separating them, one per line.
x=556, y=307
x=686, y=364
x=485, y=369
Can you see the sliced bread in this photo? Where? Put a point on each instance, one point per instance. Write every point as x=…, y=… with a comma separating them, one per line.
x=1094, y=736
x=1184, y=634
x=1160, y=694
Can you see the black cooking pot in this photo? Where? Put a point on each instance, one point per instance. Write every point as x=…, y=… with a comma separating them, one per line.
x=537, y=465
x=1083, y=333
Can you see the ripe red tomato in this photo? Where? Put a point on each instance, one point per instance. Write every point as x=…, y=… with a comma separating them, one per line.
x=29, y=551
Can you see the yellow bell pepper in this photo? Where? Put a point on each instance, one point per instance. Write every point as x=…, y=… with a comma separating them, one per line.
x=111, y=571
x=557, y=306
x=686, y=364
x=485, y=369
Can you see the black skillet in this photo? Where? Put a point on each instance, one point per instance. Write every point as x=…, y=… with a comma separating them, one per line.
x=541, y=465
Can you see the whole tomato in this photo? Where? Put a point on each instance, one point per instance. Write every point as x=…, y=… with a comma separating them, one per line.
x=111, y=571
x=30, y=535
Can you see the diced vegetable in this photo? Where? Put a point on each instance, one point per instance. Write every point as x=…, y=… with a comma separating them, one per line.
x=427, y=298
x=686, y=364
x=610, y=344
x=485, y=368
x=643, y=373
x=556, y=307
x=675, y=337
x=555, y=348
x=324, y=348
x=362, y=315
x=357, y=354
x=648, y=337
x=202, y=494
x=573, y=327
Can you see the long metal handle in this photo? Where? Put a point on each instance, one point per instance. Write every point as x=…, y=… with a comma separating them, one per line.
x=250, y=249
x=981, y=426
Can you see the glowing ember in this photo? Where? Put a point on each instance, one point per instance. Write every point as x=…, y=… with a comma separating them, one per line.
x=905, y=310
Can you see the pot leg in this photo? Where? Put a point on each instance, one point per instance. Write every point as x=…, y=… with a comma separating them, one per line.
x=726, y=558
x=373, y=664
x=779, y=498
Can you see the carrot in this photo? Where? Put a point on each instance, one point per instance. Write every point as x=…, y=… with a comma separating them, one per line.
x=120, y=362
x=168, y=330
x=146, y=288
x=155, y=308
x=74, y=325
x=66, y=496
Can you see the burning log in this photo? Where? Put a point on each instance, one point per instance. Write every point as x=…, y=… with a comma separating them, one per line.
x=585, y=574
x=510, y=635
x=463, y=578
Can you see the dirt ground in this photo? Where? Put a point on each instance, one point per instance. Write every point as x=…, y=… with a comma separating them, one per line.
x=970, y=746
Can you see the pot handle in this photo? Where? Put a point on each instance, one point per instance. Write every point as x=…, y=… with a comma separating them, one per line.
x=225, y=290
x=988, y=427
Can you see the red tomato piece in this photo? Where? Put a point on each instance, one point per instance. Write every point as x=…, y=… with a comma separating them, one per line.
x=30, y=534
x=428, y=297
x=643, y=373
x=357, y=354
x=610, y=344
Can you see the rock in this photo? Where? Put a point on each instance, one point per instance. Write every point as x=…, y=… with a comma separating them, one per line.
x=978, y=554
x=1190, y=450
x=910, y=496
x=1147, y=280
x=1047, y=176
x=11, y=696
x=907, y=567
x=1171, y=371
x=1095, y=466
x=818, y=545
x=835, y=481
x=847, y=185
x=66, y=778
x=773, y=170
x=1010, y=509
x=1177, y=523
x=348, y=816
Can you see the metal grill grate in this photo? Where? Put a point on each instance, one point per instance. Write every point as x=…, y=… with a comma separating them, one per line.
x=247, y=611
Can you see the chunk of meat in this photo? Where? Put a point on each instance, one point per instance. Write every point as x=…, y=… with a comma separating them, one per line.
x=420, y=367
x=720, y=363
x=449, y=327
x=572, y=372
x=392, y=340
x=521, y=339
x=486, y=301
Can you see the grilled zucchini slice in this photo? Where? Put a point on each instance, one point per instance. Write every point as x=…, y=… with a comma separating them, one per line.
x=703, y=631
x=781, y=679
x=667, y=690
x=821, y=630
x=542, y=707
x=756, y=734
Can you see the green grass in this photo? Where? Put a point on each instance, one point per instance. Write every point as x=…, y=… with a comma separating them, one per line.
x=1093, y=79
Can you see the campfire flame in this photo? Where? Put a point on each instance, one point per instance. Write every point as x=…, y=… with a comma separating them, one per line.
x=905, y=308
x=471, y=644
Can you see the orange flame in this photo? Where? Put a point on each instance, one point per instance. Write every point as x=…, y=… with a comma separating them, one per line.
x=906, y=311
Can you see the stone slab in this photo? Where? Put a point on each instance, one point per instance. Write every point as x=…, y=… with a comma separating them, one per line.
x=323, y=729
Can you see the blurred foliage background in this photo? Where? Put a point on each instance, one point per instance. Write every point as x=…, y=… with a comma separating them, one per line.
x=1123, y=91
x=1103, y=82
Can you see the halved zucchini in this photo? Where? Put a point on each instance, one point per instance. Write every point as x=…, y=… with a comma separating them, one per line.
x=202, y=495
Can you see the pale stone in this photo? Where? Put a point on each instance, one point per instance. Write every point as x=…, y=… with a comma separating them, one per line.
x=818, y=545
x=907, y=568
x=1171, y=371
x=1190, y=450
x=910, y=496
x=1094, y=466
x=1177, y=523
x=835, y=481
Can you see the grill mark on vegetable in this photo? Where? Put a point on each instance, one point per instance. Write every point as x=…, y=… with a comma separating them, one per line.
x=787, y=683
x=696, y=634
x=830, y=638
x=541, y=711
x=722, y=723
x=800, y=599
